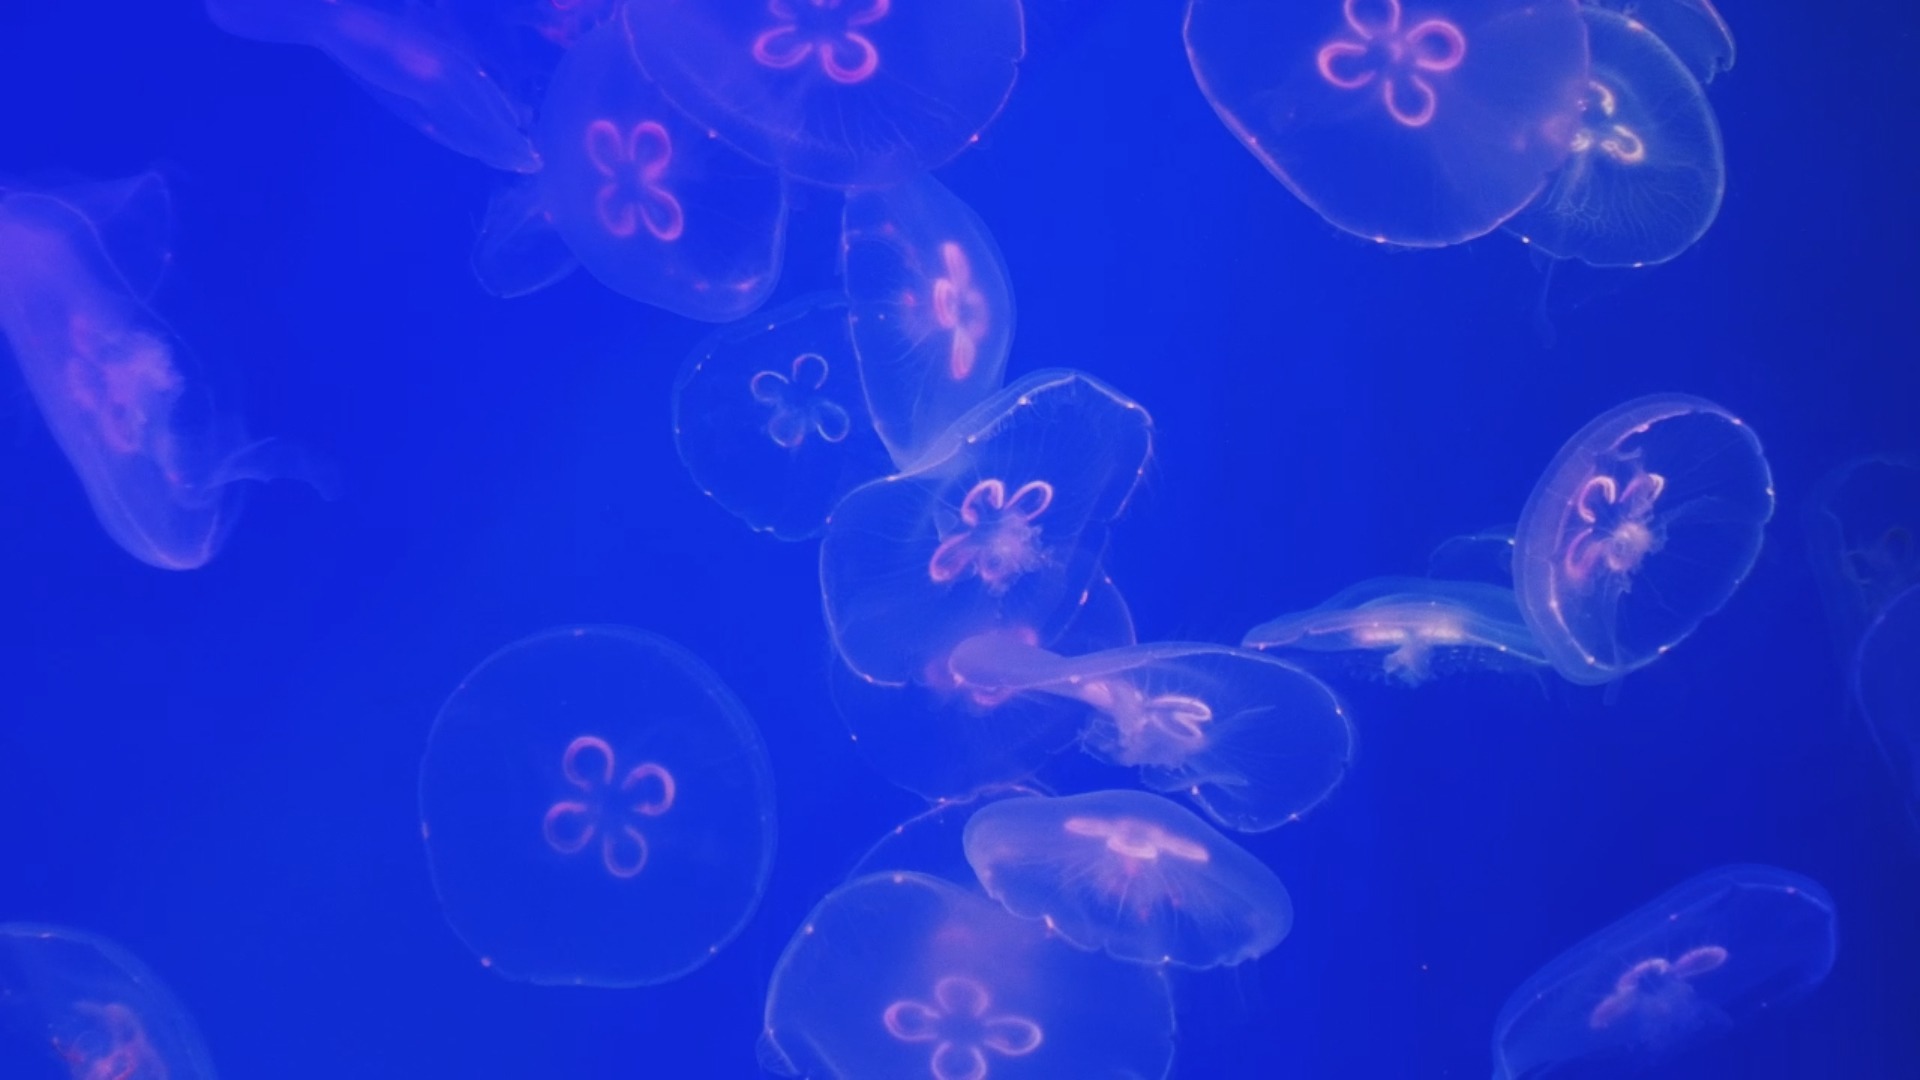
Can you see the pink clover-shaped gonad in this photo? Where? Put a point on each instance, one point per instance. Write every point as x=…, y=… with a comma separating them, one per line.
x=1403, y=62
x=632, y=166
x=1615, y=531
x=960, y=309
x=962, y=1030
x=604, y=811
x=832, y=32
x=999, y=541
x=1627, y=989
x=797, y=410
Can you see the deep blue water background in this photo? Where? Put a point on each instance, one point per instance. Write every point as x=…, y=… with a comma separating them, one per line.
x=218, y=769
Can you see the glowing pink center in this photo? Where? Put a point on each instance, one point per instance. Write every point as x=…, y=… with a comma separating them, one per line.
x=571, y=824
x=829, y=29
x=632, y=166
x=126, y=381
x=1401, y=61
x=1617, y=532
x=797, y=409
x=126, y=1055
x=1657, y=978
x=960, y=309
x=999, y=540
x=958, y=1024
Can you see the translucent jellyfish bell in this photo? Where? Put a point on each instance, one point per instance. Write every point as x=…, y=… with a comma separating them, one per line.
x=1001, y=527
x=79, y=1006
x=1413, y=122
x=847, y=93
x=1886, y=686
x=1693, y=29
x=1646, y=173
x=1863, y=535
x=902, y=975
x=932, y=310
x=518, y=252
x=1414, y=628
x=1646, y=522
x=1130, y=874
x=1711, y=955
x=930, y=842
x=598, y=810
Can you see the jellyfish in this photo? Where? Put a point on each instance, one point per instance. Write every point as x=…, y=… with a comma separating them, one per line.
x=1644, y=524
x=415, y=67
x=1130, y=874
x=1704, y=958
x=769, y=418
x=1256, y=743
x=160, y=457
x=1886, y=687
x=1646, y=173
x=1414, y=628
x=518, y=252
x=1413, y=122
x=932, y=310
x=846, y=93
x=598, y=810
x=1693, y=29
x=1001, y=527
x=930, y=842
x=903, y=975
x=1863, y=535
x=656, y=208
x=76, y=1005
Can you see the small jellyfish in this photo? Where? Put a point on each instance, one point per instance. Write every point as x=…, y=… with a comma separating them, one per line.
x=1416, y=628
x=846, y=93
x=1130, y=874
x=1693, y=29
x=656, y=208
x=598, y=810
x=76, y=1005
x=903, y=975
x=1646, y=172
x=1644, y=524
x=1863, y=535
x=769, y=418
x=1001, y=527
x=1886, y=686
x=415, y=67
x=1706, y=957
x=1414, y=122
x=518, y=252
x=932, y=310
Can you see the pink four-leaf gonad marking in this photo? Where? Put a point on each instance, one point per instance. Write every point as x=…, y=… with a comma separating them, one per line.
x=1000, y=541
x=127, y=1055
x=1616, y=531
x=1401, y=60
x=1626, y=990
x=961, y=1030
x=570, y=825
x=960, y=309
x=797, y=412
x=632, y=165
x=847, y=56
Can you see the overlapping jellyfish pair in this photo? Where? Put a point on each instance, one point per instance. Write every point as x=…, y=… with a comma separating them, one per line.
x=72, y=1004
x=157, y=449
x=1644, y=525
x=598, y=810
x=1581, y=127
x=1712, y=955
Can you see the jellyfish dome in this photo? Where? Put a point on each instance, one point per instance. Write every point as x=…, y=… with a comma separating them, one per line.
x=1694, y=29
x=1413, y=122
x=846, y=93
x=1130, y=874
x=1417, y=627
x=903, y=975
x=1886, y=686
x=1646, y=173
x=1645, y=524
x=597, y=808
x=1709, y=956
x=78, y=1006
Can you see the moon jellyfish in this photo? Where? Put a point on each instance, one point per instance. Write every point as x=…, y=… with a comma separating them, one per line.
x=1863, y=535
x=156, y=453
x=76, y=1005
x=518, y=252
x=932, y=310
x=1886, y=686
x=1646, y=522
x=769, y=420
x=1413, y=122
x=598, y=810
x=931, y=842
x=847, y=93
x=1414, y=628
x=903, y=975
x=1001, y=527
x=1693, y=29
x=1710, y=955
x=1646, y=173
x=414, y=68
x=1255, y=742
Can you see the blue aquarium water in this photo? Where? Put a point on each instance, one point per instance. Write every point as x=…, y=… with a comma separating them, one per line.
x=883, y=540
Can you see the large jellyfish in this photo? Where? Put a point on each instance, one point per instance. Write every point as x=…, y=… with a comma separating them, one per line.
x=1130, y=874
x=598, y=810
x=1886, y=686
x=770, y=421
x=78, y=1006
x=1413, y=122
x=1708, y=956
x=1413, y=628
x=1646, y=172
x=1863, y=535
x=847, y=93
x=903, y=975
x=158, y=454
x=1693, y=29
x=932, y=310
x=1255, y=742
x=1000, y=528
x=655, y=207
x=1644, y=524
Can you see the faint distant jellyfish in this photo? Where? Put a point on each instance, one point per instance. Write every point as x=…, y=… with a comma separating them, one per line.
x=1863, y=536
x=597, y=809
x=827, y=29
x=633, y=165
x=1886, y=687
x=963, y=1032
x=1418, y=627
x=1693, y=29
x=796, y=411
x=518, y=252
x=998, y=537
x=79, y=1006
x=1423, y=125
x=1644, y=524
